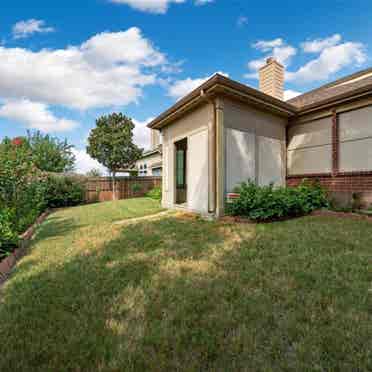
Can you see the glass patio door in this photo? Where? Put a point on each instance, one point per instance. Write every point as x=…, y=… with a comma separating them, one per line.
x=181, y=161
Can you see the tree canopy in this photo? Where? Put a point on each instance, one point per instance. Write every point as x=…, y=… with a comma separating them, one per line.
x=50, y=154
x=111, y=142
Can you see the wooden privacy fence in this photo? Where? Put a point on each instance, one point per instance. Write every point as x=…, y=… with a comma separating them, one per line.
x=101, y=188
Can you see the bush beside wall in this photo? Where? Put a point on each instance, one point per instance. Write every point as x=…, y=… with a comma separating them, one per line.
x=269, y=203
x=155, y=193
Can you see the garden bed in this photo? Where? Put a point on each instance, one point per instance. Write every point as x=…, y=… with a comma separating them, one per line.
x=351, y=215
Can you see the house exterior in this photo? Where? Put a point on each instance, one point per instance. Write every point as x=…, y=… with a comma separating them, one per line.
x=225, y=132
x=151, y=163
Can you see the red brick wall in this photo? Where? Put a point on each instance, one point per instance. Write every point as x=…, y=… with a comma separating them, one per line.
x=350, y=183
x=342, y=186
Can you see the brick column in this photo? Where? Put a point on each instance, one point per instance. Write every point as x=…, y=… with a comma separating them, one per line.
x=335, y=144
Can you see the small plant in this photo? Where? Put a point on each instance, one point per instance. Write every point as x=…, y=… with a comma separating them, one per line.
x=155, y=193
x=356, y=202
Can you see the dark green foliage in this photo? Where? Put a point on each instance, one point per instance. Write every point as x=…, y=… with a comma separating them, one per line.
x=155, y=193
x=21, y=189
x=136, y=187
x=111, y=142
x=63, y=191
x=270, y=203
x=49, y=154
x=30, y=204
x=8, y=236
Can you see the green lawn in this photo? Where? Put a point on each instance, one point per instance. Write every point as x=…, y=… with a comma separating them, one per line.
x=184, y=294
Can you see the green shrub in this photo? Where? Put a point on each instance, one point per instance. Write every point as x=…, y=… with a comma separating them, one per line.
x=271, y=203
x=155, y=193
x=63, y=191
x=8, y=235
x=29, y=204
x=136, y=187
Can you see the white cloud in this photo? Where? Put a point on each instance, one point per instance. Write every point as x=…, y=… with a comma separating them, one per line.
x=107, y=70
x=276, y=48
x=242, y=21
x=151, y=6
x=141, y=133
x=289, y=94
x=156, y=6
x=121, y=47
x=181, y=88
x=84, y=163
x=23, y=29
x=267, y=45
x=35, y=115
x=332, y=58
x=330, y=61
x=317, y=45
x=203, y=2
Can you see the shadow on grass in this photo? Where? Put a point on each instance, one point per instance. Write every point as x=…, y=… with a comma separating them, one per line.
x=180, y=295
x=54, y=227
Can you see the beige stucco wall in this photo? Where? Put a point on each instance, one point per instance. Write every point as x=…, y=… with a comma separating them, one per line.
x=149, y=161
x=264, y=137
x=194, y=126
x=355, y=128
x=310, y=147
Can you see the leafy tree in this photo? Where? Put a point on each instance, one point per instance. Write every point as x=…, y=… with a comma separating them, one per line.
x=16, y=168
x=21, y=186
x=94, y=173
x=111, y=144
x=50, y=154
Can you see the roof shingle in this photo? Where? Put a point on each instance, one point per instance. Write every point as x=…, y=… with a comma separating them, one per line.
x=346, y=85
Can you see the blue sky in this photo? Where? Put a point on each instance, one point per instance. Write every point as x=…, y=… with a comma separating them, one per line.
x=63, y=65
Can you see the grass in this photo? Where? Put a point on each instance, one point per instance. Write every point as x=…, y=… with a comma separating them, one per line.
x=185, y=294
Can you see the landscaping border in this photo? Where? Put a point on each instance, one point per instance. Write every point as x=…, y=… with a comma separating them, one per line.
x=8, y=263
x=350, y=215
x=320, y=213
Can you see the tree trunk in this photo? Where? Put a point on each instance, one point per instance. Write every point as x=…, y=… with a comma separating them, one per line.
x=113, y=185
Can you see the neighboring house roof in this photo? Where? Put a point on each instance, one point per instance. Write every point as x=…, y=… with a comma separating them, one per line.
x=347, y=88
x=221, y=84
x=157, y=165
x=358, y=83
x=152, y=152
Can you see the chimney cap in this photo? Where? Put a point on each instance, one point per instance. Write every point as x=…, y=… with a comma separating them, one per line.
x=271, y=60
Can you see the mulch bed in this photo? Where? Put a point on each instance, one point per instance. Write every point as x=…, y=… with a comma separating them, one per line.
x=8, y=263
x=350, y=215
x=325, y=213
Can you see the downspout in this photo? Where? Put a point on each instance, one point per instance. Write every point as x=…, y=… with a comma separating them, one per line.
x=220, y=158
x=216, y=156
x=211, y=154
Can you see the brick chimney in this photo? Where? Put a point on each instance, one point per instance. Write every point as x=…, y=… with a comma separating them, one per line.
x=155, y=139
x=272, y=78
